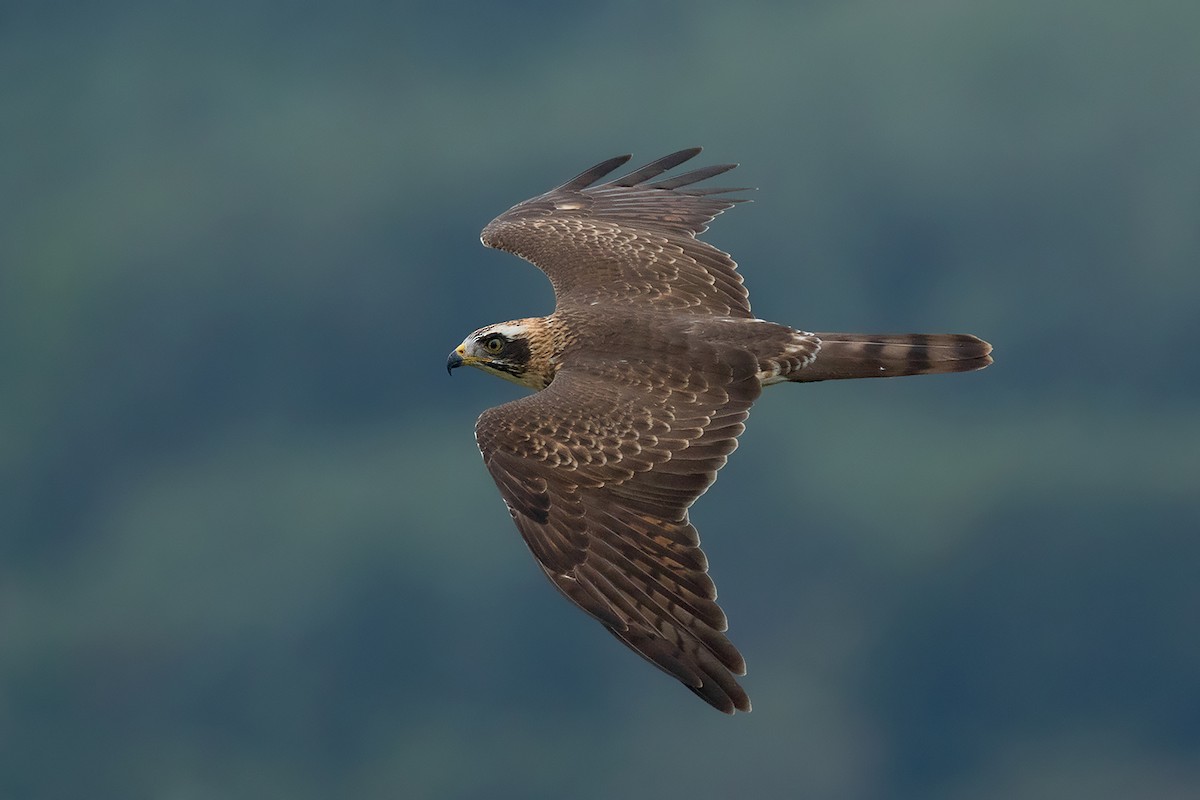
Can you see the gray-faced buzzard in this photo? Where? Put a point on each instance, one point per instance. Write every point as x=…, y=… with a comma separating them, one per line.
x=643, y=378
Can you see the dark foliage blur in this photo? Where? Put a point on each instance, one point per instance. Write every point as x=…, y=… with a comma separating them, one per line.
x=247, y=548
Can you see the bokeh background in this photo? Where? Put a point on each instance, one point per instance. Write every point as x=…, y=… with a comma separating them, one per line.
x=248, y=548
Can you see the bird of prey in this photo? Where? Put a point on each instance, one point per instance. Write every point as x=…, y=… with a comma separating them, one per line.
x=643, y=378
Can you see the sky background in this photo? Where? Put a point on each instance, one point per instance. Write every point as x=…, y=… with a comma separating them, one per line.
x=247, y=546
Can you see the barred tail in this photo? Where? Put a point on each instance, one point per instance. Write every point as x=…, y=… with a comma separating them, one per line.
x=885, y=355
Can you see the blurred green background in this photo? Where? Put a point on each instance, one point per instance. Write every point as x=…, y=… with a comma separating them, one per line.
x=248, y=548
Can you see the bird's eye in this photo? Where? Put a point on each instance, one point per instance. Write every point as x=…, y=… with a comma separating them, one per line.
x=494, y=344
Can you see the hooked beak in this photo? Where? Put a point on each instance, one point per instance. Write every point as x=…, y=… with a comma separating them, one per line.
x=456, y=359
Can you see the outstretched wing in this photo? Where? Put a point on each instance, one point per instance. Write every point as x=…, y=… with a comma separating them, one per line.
x=598, y=471
x=632, y=239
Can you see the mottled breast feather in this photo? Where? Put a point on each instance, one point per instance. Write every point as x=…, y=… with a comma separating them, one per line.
x=632, y=239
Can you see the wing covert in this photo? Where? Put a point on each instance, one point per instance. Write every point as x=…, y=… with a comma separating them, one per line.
x=598, y=472
x=630, y=240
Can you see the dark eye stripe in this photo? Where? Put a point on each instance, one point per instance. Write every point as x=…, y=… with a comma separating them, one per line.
x=500, y=366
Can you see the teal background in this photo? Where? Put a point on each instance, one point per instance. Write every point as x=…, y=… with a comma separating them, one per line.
x=248, y=549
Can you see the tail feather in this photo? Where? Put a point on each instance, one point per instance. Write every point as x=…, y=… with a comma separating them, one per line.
x=885, y=355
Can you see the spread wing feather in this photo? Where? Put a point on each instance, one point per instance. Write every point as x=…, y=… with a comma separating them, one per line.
x=598, y=471
x=630, y=240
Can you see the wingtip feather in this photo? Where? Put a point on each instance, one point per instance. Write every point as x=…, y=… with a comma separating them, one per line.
x=655, y=168
x=593, y=174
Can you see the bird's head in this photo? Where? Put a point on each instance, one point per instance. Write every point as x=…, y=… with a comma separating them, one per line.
x=510, y=350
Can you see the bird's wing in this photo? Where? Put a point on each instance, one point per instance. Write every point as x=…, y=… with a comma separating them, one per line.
x=630, y=240
x=598, y=471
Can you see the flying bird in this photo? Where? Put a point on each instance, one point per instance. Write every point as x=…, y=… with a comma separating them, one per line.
x=643, y=378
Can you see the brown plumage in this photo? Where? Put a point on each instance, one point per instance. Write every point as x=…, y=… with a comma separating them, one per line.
x=645, y=374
